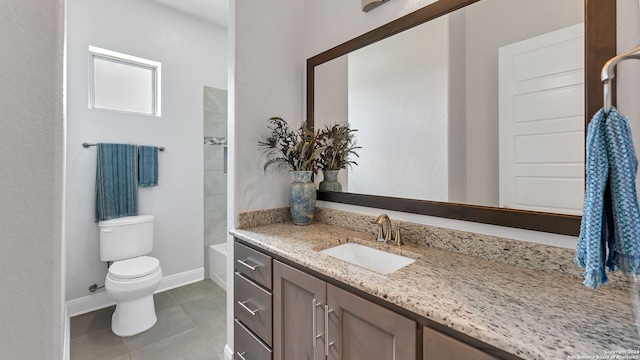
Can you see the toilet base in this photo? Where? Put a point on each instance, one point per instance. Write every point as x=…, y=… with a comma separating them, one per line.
x=134, y=316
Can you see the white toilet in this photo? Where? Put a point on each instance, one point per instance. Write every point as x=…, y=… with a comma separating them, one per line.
x=133, y=276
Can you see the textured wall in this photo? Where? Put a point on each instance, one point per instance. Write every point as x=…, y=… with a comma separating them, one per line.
x=266, y=70
x=628, y=72
x=31, y=171
x=398, y=101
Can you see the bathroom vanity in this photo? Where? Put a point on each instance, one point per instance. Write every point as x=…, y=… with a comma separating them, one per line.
x=445, y=305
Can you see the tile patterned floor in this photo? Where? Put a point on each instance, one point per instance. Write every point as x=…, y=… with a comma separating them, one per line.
x=191, y=325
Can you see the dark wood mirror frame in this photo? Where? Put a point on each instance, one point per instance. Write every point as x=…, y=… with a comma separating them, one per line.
x=600, y=46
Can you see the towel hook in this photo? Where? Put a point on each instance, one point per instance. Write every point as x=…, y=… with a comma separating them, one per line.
x=608, y=74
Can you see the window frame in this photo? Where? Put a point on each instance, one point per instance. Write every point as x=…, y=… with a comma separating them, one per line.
x=130, y=60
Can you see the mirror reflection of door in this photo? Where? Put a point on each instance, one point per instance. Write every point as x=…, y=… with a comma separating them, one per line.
x=542, y=122
x=427, y=109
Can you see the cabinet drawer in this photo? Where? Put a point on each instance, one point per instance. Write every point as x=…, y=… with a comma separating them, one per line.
x=438, y=346
x=253, y=307
x=253, y=264
x=247, y=346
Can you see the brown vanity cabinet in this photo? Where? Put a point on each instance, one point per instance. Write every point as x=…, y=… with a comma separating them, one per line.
x=253, y=301
x=438, y=346
x=248, y=345
x=298, y=313
x=356, y=328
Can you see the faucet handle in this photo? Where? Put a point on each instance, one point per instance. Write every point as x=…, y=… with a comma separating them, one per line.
x=381, y=233
x=380, y=236
x=398, y=240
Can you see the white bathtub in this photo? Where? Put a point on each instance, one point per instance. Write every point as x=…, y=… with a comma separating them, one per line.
x=218, y=264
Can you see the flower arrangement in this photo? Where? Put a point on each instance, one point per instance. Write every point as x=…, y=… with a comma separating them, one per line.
x=290, y=150
x=339, y=144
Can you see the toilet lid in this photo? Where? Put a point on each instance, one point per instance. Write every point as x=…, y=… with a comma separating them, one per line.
x=134, y=268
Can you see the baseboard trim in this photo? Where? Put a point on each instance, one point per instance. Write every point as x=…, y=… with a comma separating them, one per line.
x=228, y=353
x=181, y=279
x=101, y=300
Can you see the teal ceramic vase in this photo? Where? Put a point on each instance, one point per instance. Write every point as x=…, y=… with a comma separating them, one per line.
x=330, y=181
x=302, y=198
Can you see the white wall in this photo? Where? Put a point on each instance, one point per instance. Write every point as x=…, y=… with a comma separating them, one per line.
x=331, y=100
x=400, y=116
x=387, y=83
x=628, y=72
x=266, y=79
x=457, y=134
x=193, y=53
x=31, y=172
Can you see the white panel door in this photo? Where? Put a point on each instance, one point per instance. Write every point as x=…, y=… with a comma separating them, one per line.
x=541, y=120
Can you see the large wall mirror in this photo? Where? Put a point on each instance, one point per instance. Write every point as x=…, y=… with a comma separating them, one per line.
x=471, y=110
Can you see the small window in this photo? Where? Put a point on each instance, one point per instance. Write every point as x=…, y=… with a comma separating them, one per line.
x=123, y=82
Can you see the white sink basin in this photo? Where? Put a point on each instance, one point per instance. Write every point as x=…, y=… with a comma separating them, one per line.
x=370, y=258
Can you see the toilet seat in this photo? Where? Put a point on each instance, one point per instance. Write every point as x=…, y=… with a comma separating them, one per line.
x=133, y=268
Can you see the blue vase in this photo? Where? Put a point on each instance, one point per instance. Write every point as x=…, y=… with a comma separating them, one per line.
x=302, y=198
x=330, y=181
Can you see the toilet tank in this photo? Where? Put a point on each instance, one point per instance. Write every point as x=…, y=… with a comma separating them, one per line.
x=126, y=237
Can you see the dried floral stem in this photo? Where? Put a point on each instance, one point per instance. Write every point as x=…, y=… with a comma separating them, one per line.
x=290, y=150
x=340, y=144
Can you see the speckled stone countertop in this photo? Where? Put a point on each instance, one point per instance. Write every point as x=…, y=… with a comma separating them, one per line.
x=529, y=313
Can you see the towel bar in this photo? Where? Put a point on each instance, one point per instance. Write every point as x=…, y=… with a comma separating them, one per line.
x=86, y=145
x=608, y=74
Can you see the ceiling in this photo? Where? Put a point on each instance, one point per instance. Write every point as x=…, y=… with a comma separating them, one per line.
x=216, y=11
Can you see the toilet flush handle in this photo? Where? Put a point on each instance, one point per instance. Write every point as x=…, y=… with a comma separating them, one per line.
x=107, y=230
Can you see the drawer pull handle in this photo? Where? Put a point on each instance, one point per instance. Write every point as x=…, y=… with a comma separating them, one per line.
x=241, y=355
x=252, y=312
x=327, y=344
x=315, y=304
x=243, y=262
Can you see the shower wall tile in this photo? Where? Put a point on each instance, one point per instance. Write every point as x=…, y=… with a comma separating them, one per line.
x=215, y=123
x=215, y=99
x=215, y=207
x=215, y=182
x=216, y=232
x=213, y=157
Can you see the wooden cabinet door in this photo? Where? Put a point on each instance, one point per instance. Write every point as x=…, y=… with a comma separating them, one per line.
x=360, y=329
x=438, y=346
x=298, y=314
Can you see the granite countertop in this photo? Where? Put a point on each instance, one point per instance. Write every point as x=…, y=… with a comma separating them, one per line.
x=528, y=313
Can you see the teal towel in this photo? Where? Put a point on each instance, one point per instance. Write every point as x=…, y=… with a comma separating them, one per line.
x=116, y=181
x=148, y=165
x=611, y=219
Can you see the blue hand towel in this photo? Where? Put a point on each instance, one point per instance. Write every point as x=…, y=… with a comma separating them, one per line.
x=624, y=248
x=148, y=166
x=611, y=218
x=116, y=181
